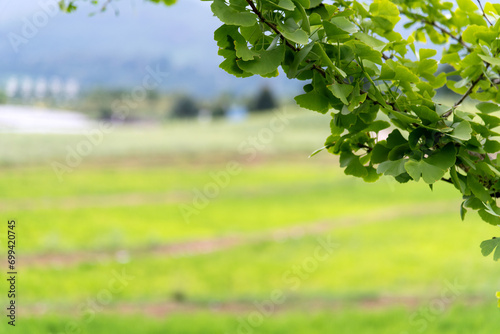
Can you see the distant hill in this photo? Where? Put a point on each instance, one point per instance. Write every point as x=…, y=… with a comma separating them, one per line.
x=112, y=51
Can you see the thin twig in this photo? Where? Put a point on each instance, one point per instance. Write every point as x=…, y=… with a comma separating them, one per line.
x=463, y=97
x=469, y=91
x=447, y=32
x=446, y=180
x=437, y=26
x=484, y=14
x=271, y=25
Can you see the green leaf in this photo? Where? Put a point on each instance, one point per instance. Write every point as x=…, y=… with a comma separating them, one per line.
x=385, y=14
x=489, y=218
x=225, y=36
x=403, y=117
x=361, y=8
x=298, y=59
x=488, y=107
x=341, y=91
x=377, y=126
x=462, y=131
x=371, y=175
x=229, y=15
x=314, y=3
x=344, y=24
x=492, y=209
x=404, y=74
x=491, y=146
x=434, y=167
x=416, y=135
x=426, y=53
x=334, y=32
x=450, y=58
x=265, y=63
x=353, y=166
x=463, y=211
x=478, y=189
x=297, y=36
x=395, y=139
x=444, y=158
x=317, y=151
x=313, y=101
x=399, y=152
x=283, y=4
x=387, y=73
x=303, y=3
x=393, y=168
x=379, y=153
x=467, y=6
x=229, y=65
x=458, y=181
x=305, y=19
x=489, y=120
x=470, y=35
x=429, y=173
x=243, y=52
x=490, y=60
x=318, y=48
x=425, y=113
x=488, y=246
x=370, y=41
x=365, y=52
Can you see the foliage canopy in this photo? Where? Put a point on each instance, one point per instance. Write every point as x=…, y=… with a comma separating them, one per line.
x=359, y=67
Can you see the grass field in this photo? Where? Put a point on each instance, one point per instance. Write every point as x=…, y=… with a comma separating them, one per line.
x=108, y=250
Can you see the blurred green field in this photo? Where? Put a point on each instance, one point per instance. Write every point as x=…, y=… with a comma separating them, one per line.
x=395, y=250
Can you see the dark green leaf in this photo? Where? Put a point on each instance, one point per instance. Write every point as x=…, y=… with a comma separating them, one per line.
x=230, y=15
x=488, y=246
x=313, y=101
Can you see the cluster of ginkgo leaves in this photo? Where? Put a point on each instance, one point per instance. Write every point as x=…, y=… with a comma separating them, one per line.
x=357, y=65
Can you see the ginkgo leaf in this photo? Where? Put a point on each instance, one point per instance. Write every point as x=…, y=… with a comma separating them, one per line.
x=488, y=246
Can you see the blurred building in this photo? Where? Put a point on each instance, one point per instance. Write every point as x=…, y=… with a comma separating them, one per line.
x=29, y=89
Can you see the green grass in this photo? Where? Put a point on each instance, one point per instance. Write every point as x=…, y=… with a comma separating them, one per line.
x=460, y=319
x=304, y=132
x=140, y=207
x=416, y=258
x=393, y=240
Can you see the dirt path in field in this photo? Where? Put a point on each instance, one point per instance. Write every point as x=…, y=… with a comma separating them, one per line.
x=310, y=305
x=203, y=246
x=265, y=307
x=93, y=201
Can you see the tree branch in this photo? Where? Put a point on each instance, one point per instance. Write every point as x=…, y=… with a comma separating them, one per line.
x=271, y=25
x=484, y=14
x=469, y=91
x=444, y=31
x=463, y=97
x=447, y=32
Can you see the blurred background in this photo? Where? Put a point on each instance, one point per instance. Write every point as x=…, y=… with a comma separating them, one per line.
x=154, y=193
